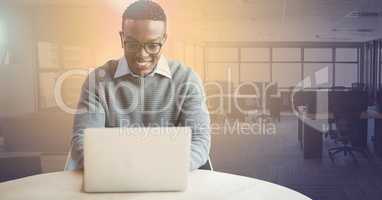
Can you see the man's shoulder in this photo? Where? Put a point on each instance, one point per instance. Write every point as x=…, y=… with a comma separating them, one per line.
x=105, y=71
x=181, y=72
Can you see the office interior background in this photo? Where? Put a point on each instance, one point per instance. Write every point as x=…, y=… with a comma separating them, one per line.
x=312, y=54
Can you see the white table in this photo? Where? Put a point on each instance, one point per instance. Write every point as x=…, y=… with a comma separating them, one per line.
x=203, y=184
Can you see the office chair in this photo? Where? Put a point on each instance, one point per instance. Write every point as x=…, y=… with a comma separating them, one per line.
x=346, y=107
x=345, y=134
x=275, y=108
x=377, y=138
x=241, y=107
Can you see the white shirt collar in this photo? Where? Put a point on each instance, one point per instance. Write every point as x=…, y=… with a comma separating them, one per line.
x=162, y=68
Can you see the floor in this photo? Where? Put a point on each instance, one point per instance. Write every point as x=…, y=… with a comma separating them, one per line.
x=277, y=158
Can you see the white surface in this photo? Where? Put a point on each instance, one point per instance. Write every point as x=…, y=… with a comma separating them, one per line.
x=203, y=185
x=156, y=153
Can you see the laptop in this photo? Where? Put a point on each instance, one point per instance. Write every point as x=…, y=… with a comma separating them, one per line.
x=136, y=159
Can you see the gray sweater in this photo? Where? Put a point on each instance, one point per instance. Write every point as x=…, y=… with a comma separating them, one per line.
x=108, y=100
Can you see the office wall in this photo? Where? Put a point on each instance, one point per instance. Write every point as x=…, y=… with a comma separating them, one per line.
x=17, y=91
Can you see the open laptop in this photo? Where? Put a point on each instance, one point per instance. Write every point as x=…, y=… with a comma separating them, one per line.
x=136, y=159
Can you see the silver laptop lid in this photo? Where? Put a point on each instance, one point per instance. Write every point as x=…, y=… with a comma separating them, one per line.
x=136, y=159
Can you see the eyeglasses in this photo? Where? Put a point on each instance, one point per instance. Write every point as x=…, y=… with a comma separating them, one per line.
x=149, y=47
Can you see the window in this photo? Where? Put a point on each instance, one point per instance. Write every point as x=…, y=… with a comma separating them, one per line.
x=286, y=54
x=286, y=74
x=199, y=64
x=320, y=74
x=190, y=55
x=75, y=57
x=53, y=60
x=48, y=55
x=226, y=72
x=315, y=66
x=255, y=54
x=346, y=74
x=346, y=66
x=318, y=55
x=346, y=55
x=223, y=54
x=258, y=72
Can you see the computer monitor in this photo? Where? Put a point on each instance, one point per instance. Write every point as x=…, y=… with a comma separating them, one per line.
x=348, y=101
x=306, y=98
x=379, y=100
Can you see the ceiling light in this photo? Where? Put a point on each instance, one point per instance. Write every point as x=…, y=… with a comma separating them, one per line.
x=358, y=14
x=359, y=30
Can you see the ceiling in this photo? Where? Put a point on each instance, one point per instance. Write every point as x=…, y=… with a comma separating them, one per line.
x=294, y=20
x=263, y=20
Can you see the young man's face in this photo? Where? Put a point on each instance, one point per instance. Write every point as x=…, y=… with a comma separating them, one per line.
x=142, y=41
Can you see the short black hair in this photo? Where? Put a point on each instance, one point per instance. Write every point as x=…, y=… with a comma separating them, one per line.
x=144, y=10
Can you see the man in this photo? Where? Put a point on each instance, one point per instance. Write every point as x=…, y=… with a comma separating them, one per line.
x=143, y=88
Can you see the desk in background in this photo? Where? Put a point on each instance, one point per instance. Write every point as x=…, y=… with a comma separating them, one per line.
x=378, y=136
x=309, y=136
x=320, y=108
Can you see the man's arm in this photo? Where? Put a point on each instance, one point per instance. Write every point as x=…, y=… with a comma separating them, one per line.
x=194, y=114
x=90, y=114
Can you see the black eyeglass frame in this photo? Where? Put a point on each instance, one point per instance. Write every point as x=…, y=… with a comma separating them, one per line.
x=144, y=45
